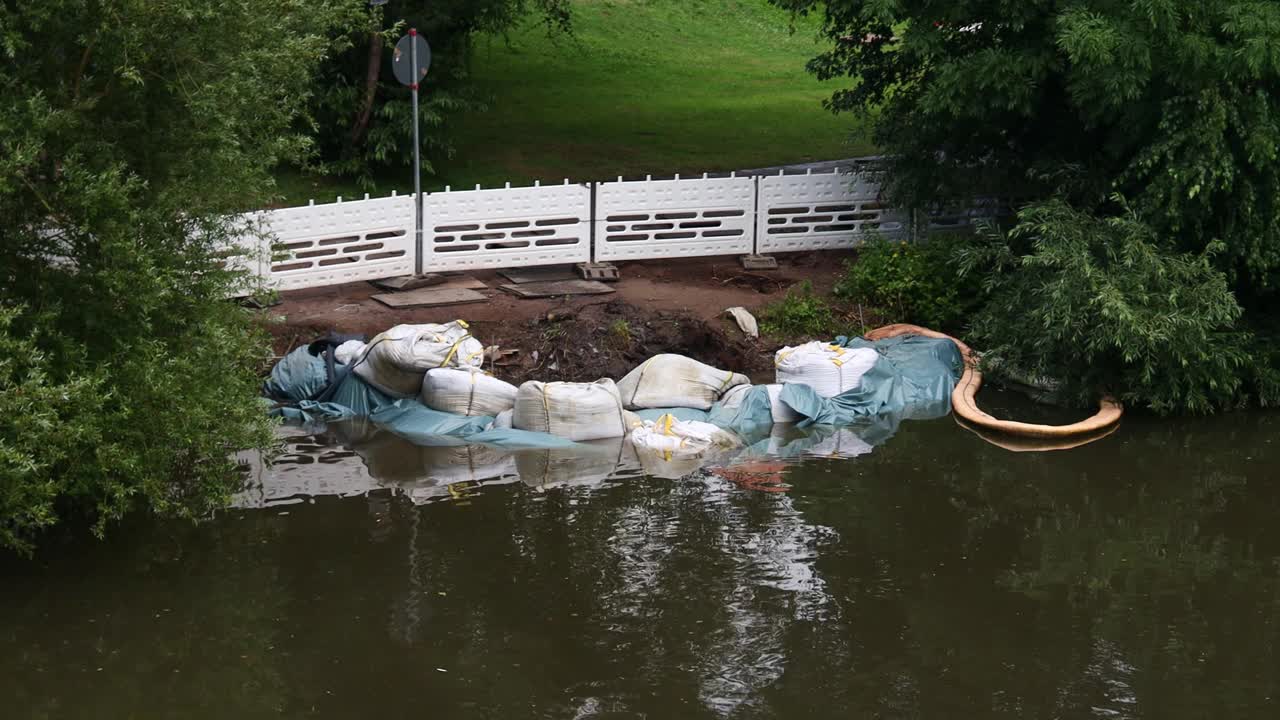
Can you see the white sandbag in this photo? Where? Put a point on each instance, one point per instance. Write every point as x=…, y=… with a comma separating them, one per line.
x=671, y=449
x=466, y=392
x=503, y=420
x=575, y=411
x=348, y=351
x=396, y=360
x=782, y=412
x=828, y=369
x=667, y=381
x=734, y=396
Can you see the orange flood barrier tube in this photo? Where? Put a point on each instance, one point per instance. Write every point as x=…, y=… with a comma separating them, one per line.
x=966, y=406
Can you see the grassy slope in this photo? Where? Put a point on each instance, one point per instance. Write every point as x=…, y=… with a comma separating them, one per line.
x=643, y=86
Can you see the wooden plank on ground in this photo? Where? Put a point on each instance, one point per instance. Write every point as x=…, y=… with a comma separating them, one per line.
x=558, y=288
x=430, y=297
x=546, y=273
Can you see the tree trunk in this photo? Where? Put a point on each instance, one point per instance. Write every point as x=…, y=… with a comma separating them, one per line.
x=370, y=88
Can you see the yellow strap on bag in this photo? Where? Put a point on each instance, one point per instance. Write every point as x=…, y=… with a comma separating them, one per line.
x=453, y=350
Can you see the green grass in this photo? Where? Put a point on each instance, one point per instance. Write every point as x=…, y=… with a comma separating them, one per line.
x=642, y=86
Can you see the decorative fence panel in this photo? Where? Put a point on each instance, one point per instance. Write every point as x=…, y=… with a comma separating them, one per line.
x=821, y=211
x=343, y=242
x=674, y=218
x=507, y=227
x=340, y=242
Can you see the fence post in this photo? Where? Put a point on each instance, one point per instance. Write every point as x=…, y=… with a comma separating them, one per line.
x=594, y=254
x=755, y=216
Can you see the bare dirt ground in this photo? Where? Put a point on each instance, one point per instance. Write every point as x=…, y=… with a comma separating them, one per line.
x=659, y=306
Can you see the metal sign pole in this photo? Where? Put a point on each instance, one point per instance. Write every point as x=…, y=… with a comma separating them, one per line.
x=410, y=62
x=417, y=163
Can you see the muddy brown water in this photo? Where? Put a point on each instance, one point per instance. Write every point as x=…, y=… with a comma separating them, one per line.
x=913, y=571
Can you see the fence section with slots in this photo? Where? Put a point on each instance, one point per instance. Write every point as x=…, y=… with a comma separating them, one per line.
x=339, y=242
x=507, y=227
x=821, y=211
x=552, y=224
x=649, y=219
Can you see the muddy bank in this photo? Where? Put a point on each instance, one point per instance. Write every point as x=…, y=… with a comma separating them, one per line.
x=658, y=306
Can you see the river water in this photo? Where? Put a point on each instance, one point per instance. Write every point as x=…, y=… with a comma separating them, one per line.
x=914, y=571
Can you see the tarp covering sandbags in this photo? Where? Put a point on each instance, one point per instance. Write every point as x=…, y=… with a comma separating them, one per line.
x=912, y=377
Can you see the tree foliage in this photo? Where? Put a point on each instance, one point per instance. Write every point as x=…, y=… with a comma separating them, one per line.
x=364, y=119
x=130, y=132
x=1101, y=305
x=1174, y=104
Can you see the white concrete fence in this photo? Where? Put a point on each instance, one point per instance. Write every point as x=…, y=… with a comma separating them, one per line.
x=349, y=241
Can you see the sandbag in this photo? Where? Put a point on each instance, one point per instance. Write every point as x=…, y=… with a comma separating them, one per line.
x=670, y=448
x=504, y=420
x=576, y=411
x=396, y=361
x=781, y=412
x=349, y=351
x=466, y=392
x=672, y=381
x=829, y=369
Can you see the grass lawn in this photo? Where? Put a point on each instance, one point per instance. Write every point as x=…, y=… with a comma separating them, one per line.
x=642, y=86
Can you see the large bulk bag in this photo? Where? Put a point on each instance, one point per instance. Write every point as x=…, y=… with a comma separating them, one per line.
x=575, y=411
x=467, y=391
x=829, y=369
x=671, y=381
x=395, y=361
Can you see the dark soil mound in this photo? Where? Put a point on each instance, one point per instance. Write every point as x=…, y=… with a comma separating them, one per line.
x=608, y=340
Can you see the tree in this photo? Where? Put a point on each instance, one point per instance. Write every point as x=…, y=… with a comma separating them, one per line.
x=131, y=132
x=363, y=124
x=1173, y=104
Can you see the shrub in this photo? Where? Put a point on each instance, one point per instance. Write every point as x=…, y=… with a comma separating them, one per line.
x=910, y=282
x=799, y=313
x=1099, y=305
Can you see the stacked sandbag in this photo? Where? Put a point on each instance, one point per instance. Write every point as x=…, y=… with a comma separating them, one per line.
x=670, y=381
x=467, y=391
x=829, y=369
x=396, y=361
x=574, y=411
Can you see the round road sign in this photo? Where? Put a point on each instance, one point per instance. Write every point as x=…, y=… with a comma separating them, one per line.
x=402, y=61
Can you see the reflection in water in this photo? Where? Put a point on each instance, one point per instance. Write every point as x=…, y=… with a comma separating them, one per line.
x=935, y=576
